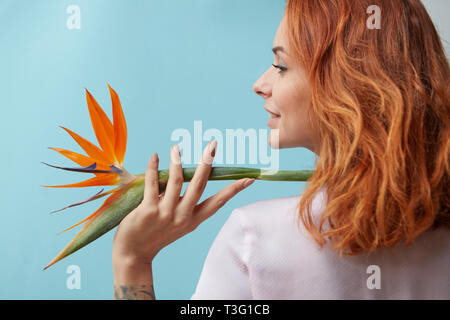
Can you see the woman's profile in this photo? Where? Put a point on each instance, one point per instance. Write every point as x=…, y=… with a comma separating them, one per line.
x=372, y=223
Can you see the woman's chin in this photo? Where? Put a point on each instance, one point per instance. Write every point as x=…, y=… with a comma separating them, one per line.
x=274, y=139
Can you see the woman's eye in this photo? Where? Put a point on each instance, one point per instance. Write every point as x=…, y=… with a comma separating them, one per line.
x=279, y=67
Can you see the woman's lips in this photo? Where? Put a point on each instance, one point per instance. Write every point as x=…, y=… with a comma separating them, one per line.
x=273, y=117
x=270, y=111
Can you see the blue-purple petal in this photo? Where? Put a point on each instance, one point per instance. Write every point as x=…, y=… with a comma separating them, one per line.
x=88, y=169
x=95, y=196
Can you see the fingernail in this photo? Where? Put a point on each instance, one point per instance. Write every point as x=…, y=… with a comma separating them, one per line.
x=209, y=152
x=176, y=152
x=213, y=147
x=155, y=157
x=248, y=182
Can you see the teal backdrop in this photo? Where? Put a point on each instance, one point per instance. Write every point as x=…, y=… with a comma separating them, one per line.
x=172, y=63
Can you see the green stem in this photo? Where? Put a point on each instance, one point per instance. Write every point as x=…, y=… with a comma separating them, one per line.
x=236, y=173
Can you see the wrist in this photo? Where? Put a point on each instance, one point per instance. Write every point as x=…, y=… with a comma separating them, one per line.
x=129, y=262
x=125, y=258
x=132, y=271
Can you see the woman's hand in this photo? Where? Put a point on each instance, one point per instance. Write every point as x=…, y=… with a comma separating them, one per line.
x=160, y=220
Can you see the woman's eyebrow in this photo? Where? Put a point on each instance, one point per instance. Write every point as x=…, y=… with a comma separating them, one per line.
x=278, y=48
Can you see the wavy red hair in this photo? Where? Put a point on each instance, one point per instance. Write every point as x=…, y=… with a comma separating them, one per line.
x=380, y=103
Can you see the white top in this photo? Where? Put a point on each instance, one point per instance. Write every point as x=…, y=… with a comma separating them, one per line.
x=261, y=254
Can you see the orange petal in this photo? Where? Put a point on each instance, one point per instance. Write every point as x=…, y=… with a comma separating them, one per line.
x=100, y=180
x=91, y=149
x=102, y=126
x=120, y=127
x=81, y=159
x=106, y=203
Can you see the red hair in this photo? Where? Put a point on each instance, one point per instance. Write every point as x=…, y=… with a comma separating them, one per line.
x=380, y=103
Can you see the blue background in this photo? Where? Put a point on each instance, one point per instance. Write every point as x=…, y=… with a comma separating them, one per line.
x=171, y=62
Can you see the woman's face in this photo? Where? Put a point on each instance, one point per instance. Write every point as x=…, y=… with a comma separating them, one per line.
x=286, y=92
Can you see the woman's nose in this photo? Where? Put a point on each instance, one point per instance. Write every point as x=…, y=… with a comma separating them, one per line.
x=262, y=86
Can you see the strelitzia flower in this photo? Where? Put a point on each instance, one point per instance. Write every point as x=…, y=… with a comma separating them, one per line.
x=106, y=163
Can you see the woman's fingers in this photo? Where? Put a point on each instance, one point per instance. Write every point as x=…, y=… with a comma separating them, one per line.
x=198, y=182
x=210, y=206
x=175, y=182
x=183, y=209
x=151, y=188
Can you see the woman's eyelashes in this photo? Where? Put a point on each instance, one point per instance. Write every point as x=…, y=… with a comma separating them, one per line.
x=279, y=67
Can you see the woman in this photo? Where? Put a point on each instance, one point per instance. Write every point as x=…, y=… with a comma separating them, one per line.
x=373, y=105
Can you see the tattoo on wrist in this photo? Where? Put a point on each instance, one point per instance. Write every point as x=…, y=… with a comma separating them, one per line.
x=142, y=292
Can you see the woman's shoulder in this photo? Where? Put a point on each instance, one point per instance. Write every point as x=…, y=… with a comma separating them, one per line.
x=278, y=208
x=269, y=205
